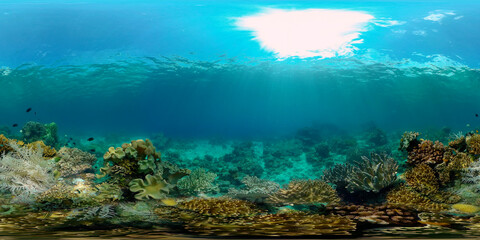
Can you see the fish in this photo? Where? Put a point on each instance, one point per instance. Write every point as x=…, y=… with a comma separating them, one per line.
x=29, y=109
x=15, y=125
x=74, y=144
x=92, y=150
x=90, y=139
x=476, y=114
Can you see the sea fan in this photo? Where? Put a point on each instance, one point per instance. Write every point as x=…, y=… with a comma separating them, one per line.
x=25, y=173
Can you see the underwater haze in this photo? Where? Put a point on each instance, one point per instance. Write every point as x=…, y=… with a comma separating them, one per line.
x=194, y=68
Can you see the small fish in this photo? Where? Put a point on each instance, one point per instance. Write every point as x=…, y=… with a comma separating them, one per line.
x=29, y=109
x=92, y=150
x=15, y=125
x=71, y=138
x=90, y=139
x=476, y=114
x=74, y=144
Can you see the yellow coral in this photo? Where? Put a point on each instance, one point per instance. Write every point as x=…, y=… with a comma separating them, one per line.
x=466, y=208
x=422, y=178
x=405, y=197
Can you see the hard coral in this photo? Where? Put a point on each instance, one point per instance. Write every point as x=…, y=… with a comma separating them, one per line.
x=406, y=197
x=426, y=152
x=35, y=131
x=274, y=225
x=370, y=174
x=422, y=178
x=378, y=214
x=199, y=181
x=305, y=192
x=220, y=207
x=255, y=190
x=74, y=161
x=473, y=144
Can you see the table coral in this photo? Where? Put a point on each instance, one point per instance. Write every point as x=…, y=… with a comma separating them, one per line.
x=305, y=192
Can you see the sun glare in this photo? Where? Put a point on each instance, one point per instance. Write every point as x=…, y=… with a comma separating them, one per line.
x=321, y=33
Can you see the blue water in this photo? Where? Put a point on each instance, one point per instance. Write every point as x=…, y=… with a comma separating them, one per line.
x=184, y=68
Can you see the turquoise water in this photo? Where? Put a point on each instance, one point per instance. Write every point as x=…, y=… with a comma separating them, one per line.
x=204, y=77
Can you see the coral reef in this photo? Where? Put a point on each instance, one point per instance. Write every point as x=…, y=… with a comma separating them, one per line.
x=128, y=165
x=405, y=197
x=409, y=141
x=74, y=161
x=154, y=187
x=274, y=225
x=473, y=144
x=199, y=181
x=305, y=192
x=35, y=131
x=255, y=190
x=426, y=152
x=24, y=172
x=220, y=207
x=377, y=214
x=370, y=175
x=422, y=178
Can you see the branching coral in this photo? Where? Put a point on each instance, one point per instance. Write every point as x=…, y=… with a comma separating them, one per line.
x=256, y=189
x=305, y=192
x=24, y=172
x=426, y=152
x=74, y=161
x=220, y=207
x=405, y=197
x=473, y=144
x=199, y=181
x=422, y=178
x=370, y=174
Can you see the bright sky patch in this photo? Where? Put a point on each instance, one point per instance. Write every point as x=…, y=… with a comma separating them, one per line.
x=321, y=33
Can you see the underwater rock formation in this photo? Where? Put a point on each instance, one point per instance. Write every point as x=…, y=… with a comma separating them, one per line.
x=300, y=192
